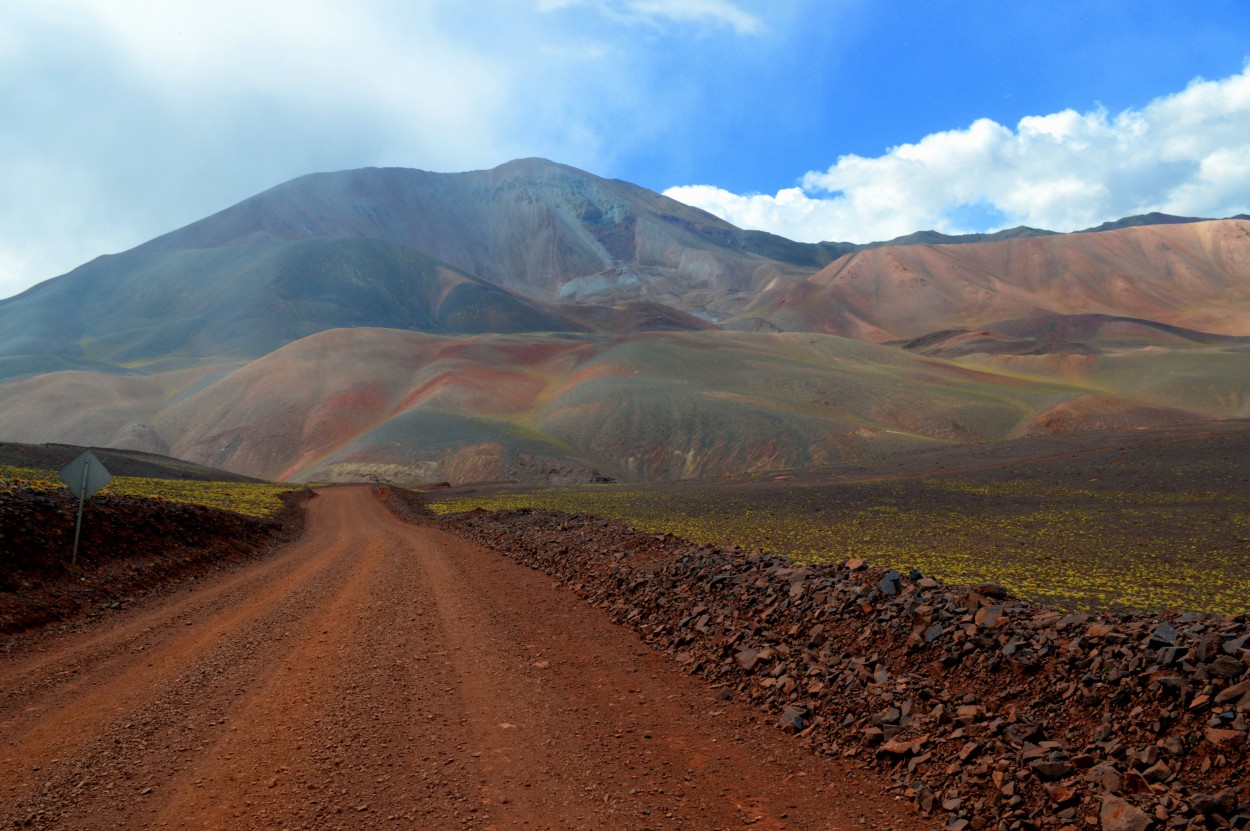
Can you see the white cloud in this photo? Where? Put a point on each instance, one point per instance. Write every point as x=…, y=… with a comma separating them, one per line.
x=689, y=11
x=1186, y=153
x=302, y=50
x=656, y=12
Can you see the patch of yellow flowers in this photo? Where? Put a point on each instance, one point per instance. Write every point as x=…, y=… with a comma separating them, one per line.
x=257, y=499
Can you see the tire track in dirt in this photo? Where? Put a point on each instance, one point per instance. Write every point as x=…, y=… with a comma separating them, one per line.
x=379, y=674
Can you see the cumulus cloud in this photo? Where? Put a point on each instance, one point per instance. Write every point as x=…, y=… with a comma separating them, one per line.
x=1186, y=153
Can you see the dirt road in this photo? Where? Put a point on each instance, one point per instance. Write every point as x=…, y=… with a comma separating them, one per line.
x=377, y=674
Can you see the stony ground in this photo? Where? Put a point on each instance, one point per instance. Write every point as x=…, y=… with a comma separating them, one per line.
x=986, y=712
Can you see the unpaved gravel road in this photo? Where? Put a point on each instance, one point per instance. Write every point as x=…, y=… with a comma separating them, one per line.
x=377, y=674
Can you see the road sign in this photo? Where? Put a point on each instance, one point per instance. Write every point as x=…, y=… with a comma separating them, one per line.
x=85, y=475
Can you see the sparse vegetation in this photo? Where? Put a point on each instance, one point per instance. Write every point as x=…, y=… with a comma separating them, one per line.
x=1073, y=547
x=257, y=499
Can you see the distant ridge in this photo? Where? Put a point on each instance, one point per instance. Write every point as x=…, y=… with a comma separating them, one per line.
x=937, y=238
x=1020, y=232
x=1153, y=218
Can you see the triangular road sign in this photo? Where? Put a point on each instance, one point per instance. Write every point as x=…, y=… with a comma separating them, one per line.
x=97, y=476
x=85, y=475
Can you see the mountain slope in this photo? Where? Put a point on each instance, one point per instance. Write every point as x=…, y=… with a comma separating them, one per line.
x=492, y=251
x=1194, y=276
x=540, y=323
x=368, y=403
x=358, y=402
x=243, y=301
x=533, y=226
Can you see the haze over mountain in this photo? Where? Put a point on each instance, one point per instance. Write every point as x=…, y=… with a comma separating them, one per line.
x=540, y=323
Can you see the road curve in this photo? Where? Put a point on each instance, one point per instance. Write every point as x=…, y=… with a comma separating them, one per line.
x=376, y=674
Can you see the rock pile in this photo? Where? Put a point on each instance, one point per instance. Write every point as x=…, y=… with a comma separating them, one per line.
x=989, y=712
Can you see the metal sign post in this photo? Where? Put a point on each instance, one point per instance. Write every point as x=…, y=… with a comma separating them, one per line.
x=84, y=476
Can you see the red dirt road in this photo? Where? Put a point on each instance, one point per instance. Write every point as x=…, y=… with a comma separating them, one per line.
x=377, y=674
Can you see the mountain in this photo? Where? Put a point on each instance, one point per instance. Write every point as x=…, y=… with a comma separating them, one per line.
x=539, y=323
x=1084, y=334
x=539, y=228
x=1191, y=275
x=366, y=403
x=938, y=238
x=528, y=246
x=243, y=301
x=537, y=246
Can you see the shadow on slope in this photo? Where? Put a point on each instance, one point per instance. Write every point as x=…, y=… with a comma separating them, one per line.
x=247, y=300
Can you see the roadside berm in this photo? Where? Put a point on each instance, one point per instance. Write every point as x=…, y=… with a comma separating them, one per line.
x=988, y=711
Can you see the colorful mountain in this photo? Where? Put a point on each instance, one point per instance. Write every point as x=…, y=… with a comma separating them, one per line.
x=538, y=323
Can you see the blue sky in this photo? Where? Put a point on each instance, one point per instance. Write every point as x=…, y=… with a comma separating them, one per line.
x=829, y=119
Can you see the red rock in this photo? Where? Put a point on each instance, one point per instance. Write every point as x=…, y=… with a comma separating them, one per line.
x=1048, y=770
x=1234, y=692
x=1226, y=667
x=994, y=590
x=1105, y=775
x=1060, y=794
x=988, y=617
x=1158, y=772
x=748, y=658
x=1134, y=782
x=897, y=747
x=794, y=719
x=1217, y=736
x=1118, y=815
